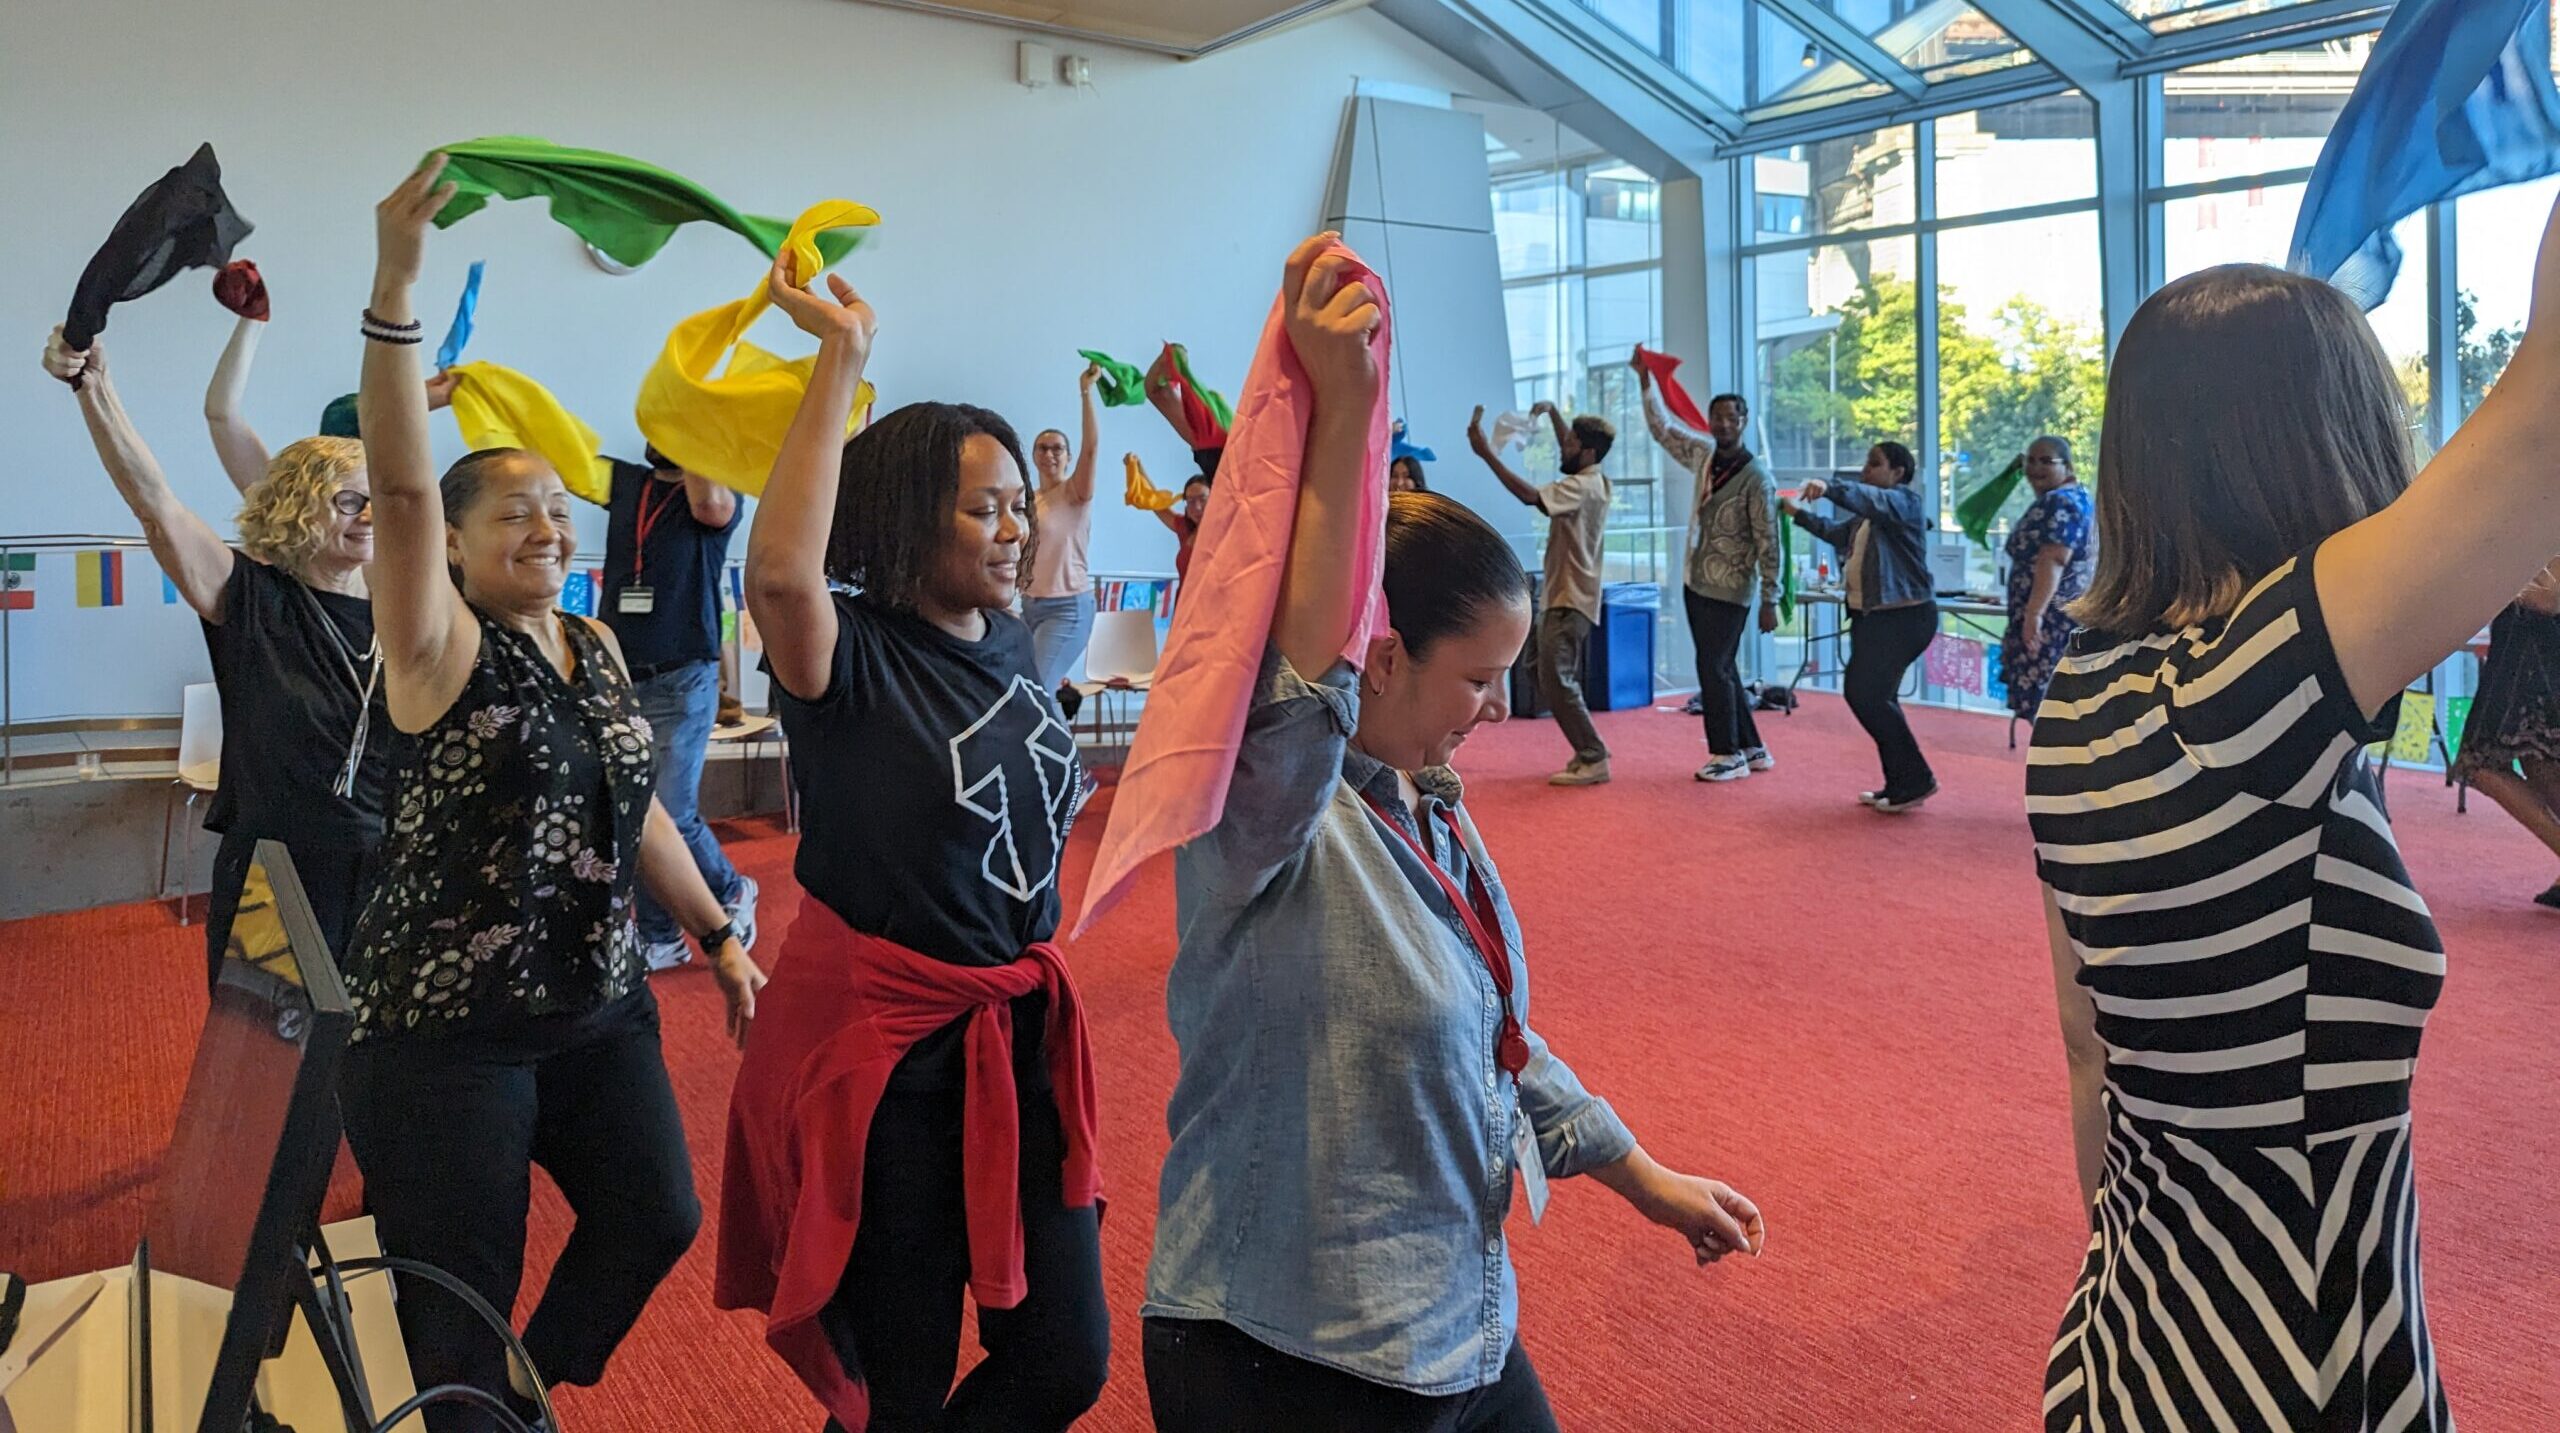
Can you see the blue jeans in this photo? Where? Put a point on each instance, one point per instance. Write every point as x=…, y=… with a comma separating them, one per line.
x=681, y=703
x=1060, y=627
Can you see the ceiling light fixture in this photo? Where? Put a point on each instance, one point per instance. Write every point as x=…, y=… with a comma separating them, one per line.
x=1812, y=55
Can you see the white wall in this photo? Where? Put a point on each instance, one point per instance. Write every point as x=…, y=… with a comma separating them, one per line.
x=1017, y=225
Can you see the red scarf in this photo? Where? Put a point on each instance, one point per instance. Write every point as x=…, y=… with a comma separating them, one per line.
x=840, y=1011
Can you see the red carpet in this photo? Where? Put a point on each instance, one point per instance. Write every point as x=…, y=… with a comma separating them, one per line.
x=1847, y=1016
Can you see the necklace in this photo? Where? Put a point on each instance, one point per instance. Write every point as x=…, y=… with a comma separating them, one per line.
x=363, y=687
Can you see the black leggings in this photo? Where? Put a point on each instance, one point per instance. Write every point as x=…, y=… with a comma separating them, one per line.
x=895, y=1320
x=1715, y=630
x=1209, y=1377
x=447, y=1129
x=1882, y=647
x=337, y=876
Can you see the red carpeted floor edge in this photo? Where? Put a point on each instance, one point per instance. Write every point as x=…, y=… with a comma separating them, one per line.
x=1847, y=1016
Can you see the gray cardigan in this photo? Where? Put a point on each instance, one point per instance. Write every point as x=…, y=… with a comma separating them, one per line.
x=1733, y=530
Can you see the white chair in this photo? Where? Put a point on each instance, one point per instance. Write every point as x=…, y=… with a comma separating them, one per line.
x=1121, y=659
x=199, y=771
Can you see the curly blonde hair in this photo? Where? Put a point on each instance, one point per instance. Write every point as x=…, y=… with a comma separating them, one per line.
x=284, y=516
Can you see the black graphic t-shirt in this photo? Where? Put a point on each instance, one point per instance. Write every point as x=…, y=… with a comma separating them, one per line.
x=938, y=781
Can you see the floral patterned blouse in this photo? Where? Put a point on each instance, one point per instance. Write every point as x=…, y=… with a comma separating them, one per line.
x=509, y=865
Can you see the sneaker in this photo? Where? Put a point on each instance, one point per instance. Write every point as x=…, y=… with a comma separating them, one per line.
x=743, y=911
x=667, y=954
x=1896, y=805
x=1760, y=759
x=1582, y=773
x=2549, y=897
x=1694, y=706
x=1869, y=798
x=1726, y=768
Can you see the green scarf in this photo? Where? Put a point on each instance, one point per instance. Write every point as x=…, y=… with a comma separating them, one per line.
x=1977, y=510
x=1121, y=385
x=625, y=208
x=1217, y=401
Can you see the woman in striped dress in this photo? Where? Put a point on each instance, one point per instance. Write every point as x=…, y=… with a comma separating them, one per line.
x=2243, y=969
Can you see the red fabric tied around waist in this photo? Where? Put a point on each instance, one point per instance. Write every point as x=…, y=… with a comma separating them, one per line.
x=841, y=1010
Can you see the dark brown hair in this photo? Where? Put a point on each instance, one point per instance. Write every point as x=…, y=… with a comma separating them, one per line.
x=2250, y=414
x=1445, y=565
x=1898, y=456
x=896, y=489
x=1597, y=435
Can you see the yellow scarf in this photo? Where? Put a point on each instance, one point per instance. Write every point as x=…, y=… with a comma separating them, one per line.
x=1142, y=494
x=729, y=427
x=498, y=407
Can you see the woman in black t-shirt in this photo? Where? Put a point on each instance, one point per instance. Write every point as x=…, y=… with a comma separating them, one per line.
x=307, y=750
x=503, y=1015
x=938, y=781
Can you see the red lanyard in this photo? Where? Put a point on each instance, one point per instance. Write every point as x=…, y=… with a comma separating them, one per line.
x=1484, y=930
x=646, y=521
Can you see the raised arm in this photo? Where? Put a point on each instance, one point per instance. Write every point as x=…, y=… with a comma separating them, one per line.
x=1685, y=448
x=1568, y=447
x=186, y=547
x=787, y=550
x=712, y=504
x=243, y=454
x=428, y=637
x=1329, y=324
x=2406, y=586
x=1163, y=391
x=1080, y=482
x=1520, y=487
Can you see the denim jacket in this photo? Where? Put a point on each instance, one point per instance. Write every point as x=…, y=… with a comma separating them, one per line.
x=1897, y=548
x=1341, y=1156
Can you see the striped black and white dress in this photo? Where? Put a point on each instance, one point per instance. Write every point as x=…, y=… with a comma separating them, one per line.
x=2262, y=973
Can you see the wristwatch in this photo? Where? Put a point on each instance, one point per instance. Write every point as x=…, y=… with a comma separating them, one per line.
x=712, y=940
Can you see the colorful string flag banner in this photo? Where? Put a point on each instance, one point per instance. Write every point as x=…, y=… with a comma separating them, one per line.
x=2457, y=720
x=578, y=593
x=1674, y=397
x=2413, y=740
x=1978, y=509
x=168, y=591
x=626, y=208
x=100, y=578
x=1122, y=385
x=458, y=337
x=1954, y=663
x=17, y=582
x=1995, y=682
x=2456, y=97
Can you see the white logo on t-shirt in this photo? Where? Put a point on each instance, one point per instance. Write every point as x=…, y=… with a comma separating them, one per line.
x=1018, y=754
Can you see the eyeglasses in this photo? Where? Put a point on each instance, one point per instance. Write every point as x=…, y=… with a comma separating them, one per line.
x=350, y=503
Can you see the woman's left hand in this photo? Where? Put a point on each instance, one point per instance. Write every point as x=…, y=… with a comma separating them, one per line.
x=1330, y=320
x=1715, y=1218
x=2031, y=634
x=739, y=981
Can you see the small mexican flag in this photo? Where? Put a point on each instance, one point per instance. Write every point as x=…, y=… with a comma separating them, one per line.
x=17, y=582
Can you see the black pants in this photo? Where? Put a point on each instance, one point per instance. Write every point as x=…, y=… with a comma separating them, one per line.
x=337, y=876
x=1210, y=1377
x=1882, y=646
x=1715, y=629
x=447, y=1129
x=895, y=1320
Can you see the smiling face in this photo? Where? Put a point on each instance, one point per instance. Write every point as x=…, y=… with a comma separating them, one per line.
x=1049, y=454
x=347, y=523
x=1423, y=708
x=2047, y=466
x=1725, y=420
x=511, y=539
x=979, y=566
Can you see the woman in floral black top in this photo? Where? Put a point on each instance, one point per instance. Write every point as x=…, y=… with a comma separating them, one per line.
x=504, y=1019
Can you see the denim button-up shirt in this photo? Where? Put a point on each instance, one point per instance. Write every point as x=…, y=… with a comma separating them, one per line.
x=1342, y=1134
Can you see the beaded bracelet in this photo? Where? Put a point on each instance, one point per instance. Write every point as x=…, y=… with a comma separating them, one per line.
x=383, y=331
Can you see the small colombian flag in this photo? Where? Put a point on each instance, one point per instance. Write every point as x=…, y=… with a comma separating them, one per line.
x=17, y=582
x=101, y=578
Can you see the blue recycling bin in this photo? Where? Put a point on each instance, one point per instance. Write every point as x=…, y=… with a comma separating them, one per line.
x=1617, y=671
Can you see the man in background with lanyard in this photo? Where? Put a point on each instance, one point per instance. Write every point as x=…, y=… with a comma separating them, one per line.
x=666, y=541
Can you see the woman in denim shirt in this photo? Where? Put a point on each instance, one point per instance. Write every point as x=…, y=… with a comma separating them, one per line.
x=1893, y=612
x=1357, y=1089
